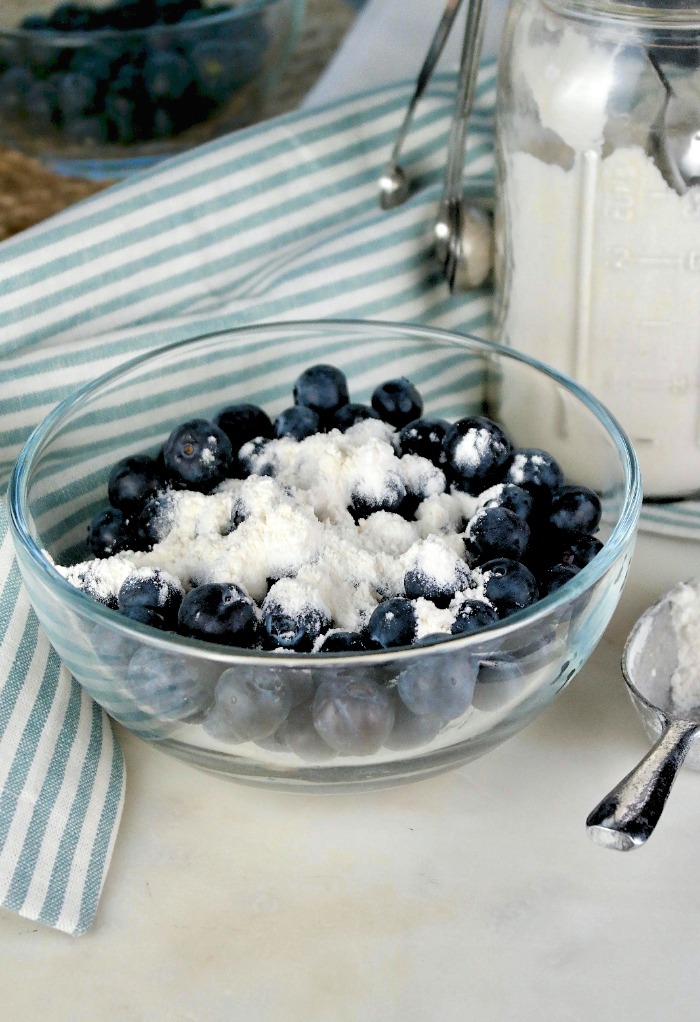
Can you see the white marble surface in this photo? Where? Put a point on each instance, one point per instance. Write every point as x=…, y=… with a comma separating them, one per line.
x=475, y=895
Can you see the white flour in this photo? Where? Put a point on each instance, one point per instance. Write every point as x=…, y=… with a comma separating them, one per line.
x=292, y=534
x=685, y=616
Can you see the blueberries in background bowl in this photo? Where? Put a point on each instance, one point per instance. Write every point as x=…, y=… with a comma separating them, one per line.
x=81, y=83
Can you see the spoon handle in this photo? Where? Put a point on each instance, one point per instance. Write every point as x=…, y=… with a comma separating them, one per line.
x=424, y=75
x=628, y=815
x=466, y=87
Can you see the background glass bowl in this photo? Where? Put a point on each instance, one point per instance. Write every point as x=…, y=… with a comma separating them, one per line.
x=89, y=91
x=519, y=665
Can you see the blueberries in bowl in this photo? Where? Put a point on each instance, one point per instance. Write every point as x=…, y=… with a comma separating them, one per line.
x=341, y=535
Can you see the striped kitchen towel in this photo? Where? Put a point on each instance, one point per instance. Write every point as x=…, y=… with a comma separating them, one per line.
x=276, y=222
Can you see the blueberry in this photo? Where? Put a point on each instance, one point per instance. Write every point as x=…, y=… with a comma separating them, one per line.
x=198, y=455
x=438, y=585
x=70, y=17
x=397, y=402
x=354, y=717
x=167, y=76
x=422, y=479
x=163, y=123
x=113, y=650
x=510, y=496
x=121, y=117
x=127, y=105
x=343, y=642
x=239, y=514
x=368, y=497
x=412, y=729
x=90, y=579
x=392, y=623
x=132, y=481
x=579, y=550
x=575, y=509
x=127, y=15
x=250, y=459
x=440, y=685
x=476, y=450
x=172, y=11
x=249, y=705
x=41, y=106
x=98, y=62
x=151, y=596
x=244, y=422
x=34, y=23
x=110, y=532
x=15, y=83
x=168, y=685
x=555, y=577
x=298, y=734
x=496, y=532
x=472, y=616
x=219, y=612
x=322, y=388
x=77, y=93
x=424, y=437
x=508, y=585
x=292, y=627
x=297, y=422
x=536, y=471
x=350, y=414
x=218, y=69
x=156, y=519
x=302, y=682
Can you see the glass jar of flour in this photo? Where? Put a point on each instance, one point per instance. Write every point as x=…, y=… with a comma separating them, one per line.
x=598, y=213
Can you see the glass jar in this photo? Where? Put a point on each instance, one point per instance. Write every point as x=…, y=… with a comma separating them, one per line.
x=598, y=213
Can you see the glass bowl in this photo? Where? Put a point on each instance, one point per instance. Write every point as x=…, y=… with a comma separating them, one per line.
x=105, y=87
x=517, y=666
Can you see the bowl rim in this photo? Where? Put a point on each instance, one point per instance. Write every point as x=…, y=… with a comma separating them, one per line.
x=622, y=532
x=80, y=37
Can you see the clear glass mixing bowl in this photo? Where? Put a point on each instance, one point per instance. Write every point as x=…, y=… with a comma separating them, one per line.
x=520, y=664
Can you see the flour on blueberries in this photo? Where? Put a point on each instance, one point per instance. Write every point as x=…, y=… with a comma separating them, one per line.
x=339, y=526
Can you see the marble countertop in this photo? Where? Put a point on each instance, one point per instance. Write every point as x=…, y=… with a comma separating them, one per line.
x=476, y=894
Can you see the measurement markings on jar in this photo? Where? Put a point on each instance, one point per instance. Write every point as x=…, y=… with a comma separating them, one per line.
x=620, y=258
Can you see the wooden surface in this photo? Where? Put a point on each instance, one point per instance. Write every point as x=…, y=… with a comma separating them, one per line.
x=29, y=192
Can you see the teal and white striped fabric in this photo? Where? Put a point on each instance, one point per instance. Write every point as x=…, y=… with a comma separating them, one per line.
x=276, y=222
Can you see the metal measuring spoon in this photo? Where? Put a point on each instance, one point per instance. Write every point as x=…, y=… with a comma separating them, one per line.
x=675, y=136
x=463, y=247
x=393, y=183
x=626, y=817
